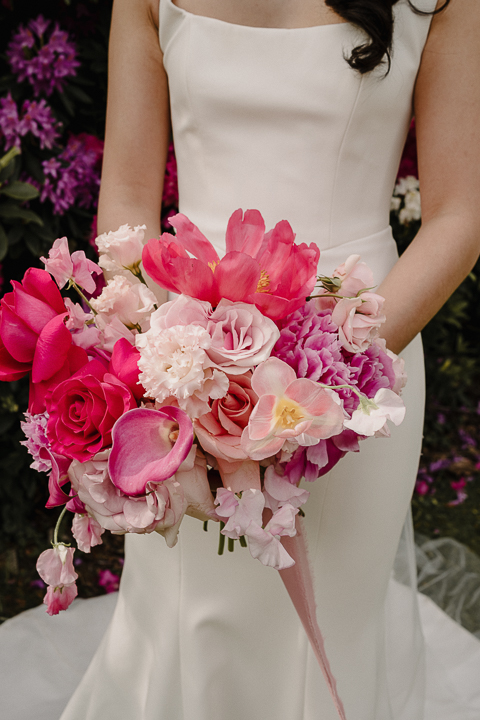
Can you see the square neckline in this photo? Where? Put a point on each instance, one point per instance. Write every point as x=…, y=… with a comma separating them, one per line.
x=207, y=18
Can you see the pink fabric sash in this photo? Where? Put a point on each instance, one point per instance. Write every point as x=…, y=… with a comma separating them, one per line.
x=298, y=581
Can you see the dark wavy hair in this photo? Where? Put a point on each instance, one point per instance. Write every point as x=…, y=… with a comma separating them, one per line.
x=375, y=17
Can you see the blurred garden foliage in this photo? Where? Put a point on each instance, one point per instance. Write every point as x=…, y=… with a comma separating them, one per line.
x=53, y=79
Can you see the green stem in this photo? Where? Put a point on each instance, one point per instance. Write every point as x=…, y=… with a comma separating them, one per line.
x=57, y=526
x=243, y=542
x=205, y=525
x=73, y=284
x=221, y=540
x=8, y=157
x=231, y=544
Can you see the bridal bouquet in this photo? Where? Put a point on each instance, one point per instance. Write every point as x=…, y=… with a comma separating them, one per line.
x=214, y=404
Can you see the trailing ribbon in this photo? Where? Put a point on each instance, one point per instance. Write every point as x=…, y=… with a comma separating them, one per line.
x=298, y=582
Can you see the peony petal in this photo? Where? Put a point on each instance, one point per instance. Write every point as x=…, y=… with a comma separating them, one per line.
x=237, y=276
x=142, y=449
x=245, y=234
x=190, y=237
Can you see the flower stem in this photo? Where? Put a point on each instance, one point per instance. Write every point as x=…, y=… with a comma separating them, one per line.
x=231, y=544
x=221, y=540
x=205, y=525
x=243, y=542
x=57, y=526
x=75, y=286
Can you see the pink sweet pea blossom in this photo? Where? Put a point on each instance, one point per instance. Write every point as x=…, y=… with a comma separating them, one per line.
x=279, y=491
x=358, y=320
x=288, y=408
x=55, y=567
x=243, y=516
x=266, y=269
x=65, y=267
x=87, y=532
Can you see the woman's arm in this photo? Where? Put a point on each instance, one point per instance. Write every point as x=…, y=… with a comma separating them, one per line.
x=138, y=121
x=447, y=112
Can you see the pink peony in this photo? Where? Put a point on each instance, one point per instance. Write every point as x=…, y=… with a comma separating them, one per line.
x=266, y=269
x=55, y=567
x=358, y=320
x=220, y=430
x=288, y=408
x=33, y=336
x=83, y=410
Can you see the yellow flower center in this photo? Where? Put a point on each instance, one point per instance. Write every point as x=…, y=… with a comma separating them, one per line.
x=288, y=414
x=213, y=265
x=264, y=282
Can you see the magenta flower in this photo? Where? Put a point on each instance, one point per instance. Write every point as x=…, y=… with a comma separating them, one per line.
x=55, y=567
x=108, y=580
x=44, y=62
x=148, y=446
x=264, y=269
x=38, y=119
x=288, y=408
x=9, y=122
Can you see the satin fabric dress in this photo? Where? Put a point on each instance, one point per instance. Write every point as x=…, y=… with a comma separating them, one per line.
x=275, y=119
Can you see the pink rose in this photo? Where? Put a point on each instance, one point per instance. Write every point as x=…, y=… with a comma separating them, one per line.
x=83, y=410
x=354, y=276
x=220, y=430
x=33, y=336
x=358, y=320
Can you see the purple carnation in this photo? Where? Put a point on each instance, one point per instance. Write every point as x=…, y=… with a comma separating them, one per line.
x=43, y=61
x=35, y=429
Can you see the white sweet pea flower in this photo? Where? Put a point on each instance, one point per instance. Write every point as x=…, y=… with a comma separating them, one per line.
x=371, y=415
x=121, y=249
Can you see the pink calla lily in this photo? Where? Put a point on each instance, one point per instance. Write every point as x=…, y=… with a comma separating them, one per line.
x=145, y=447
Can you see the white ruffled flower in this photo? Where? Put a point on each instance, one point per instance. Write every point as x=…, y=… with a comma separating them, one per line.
x=121, y=249
x=174, y=362
x=371, y=415
x=407, y=188
x=132, y=303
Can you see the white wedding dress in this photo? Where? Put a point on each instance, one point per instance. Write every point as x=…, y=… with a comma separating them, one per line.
x=275, y=119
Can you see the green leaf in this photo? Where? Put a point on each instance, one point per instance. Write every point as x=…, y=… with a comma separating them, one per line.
x=15, y=233
x=7, y=171
x=20, y=191
x=10, y=211
x=79, y=94
x=34, y=244
x=67, y=104
x=3, y=243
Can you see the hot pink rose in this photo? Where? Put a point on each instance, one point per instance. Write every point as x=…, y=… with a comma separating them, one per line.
x=83, y=410
x=220, y=430
x=358, y=320
x=33, y=336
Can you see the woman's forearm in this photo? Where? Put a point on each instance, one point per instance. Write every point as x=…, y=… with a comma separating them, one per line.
x=440, y=257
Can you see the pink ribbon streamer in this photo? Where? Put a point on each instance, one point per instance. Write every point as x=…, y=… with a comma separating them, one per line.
x=298, y=582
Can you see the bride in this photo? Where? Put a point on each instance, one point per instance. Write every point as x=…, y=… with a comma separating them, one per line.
x=300, y=109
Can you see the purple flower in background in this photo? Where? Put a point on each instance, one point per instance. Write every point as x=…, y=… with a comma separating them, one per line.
x=43, y=61
x=38, y=118
x=108, y=580
x=9, y=122
x=441, y=464
x=467, y=440
x=73, y=177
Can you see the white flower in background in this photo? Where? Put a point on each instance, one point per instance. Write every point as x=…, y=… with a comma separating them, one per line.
x=371, y=415
x=407, y=188
x=174, y=362
x=131, y=302
x=121, y=249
